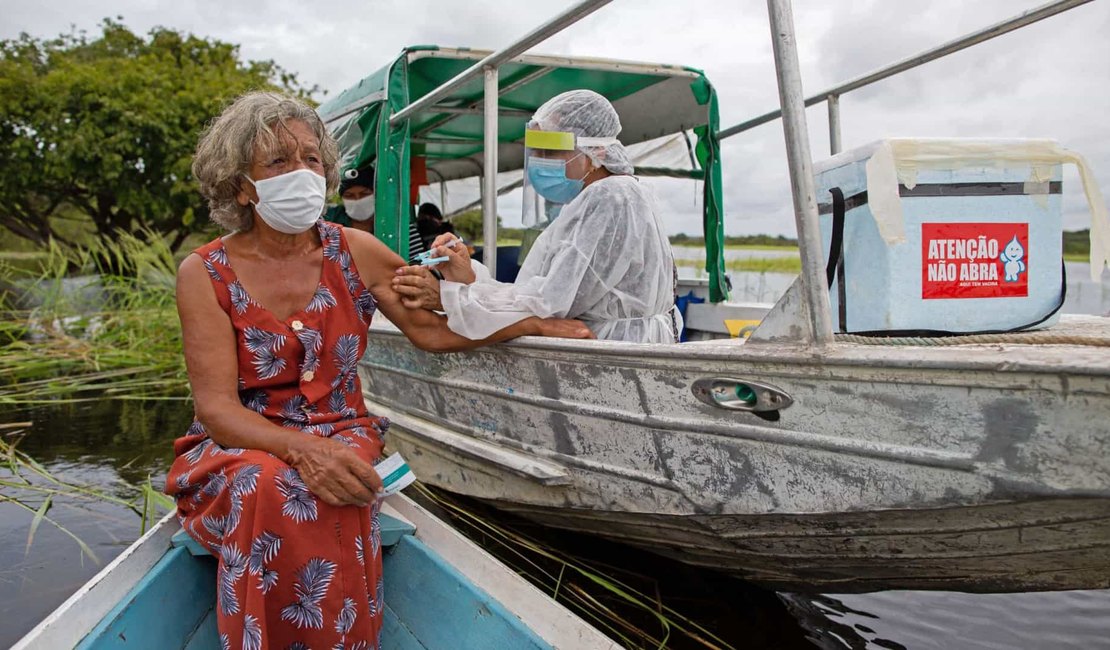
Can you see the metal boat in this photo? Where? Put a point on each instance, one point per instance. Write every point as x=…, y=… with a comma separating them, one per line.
x=796, y=458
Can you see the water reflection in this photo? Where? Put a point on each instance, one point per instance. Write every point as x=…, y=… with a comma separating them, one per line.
x=99, y=444
x=941, y=620
x=131, y=438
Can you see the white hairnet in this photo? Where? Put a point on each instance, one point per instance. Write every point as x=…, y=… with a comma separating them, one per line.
x=586, y=114
x=605, y=260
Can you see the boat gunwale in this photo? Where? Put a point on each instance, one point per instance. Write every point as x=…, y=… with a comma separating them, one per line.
x=59, y=629
x=1007, y=358
x=549, y=620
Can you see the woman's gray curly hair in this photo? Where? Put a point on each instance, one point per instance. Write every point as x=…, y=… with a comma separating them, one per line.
x=228, y=144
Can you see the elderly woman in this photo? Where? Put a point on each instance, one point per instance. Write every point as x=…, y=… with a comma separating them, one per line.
x=276, y=475
x=604, y=258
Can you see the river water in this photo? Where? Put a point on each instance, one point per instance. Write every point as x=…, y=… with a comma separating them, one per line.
x=100, y=443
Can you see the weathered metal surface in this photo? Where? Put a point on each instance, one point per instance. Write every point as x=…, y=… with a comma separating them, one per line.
x=877, y=439
x=1019, y=546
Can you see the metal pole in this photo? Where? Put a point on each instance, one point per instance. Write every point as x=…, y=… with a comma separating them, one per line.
x=834, y=124
x=801, y=169
x=477, y=106
x=951, y=47
x=489, y=181
x=454, y=111
x=443, y=197
x=538, y=35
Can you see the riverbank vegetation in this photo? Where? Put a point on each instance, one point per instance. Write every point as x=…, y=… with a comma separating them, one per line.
x=97, y=322
x=1077, y=246
x=105, y=127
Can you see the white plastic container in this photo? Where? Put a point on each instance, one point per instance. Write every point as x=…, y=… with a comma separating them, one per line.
x=944, y=236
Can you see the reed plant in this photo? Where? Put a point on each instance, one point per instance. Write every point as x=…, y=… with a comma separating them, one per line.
x=96, y=322
x=784, y=264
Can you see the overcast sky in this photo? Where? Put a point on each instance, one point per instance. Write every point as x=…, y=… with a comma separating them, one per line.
x=1048, y=80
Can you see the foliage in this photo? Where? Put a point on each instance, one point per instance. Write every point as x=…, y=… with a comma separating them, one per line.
x=468, y=225
x=772, y=241
x=102, y=335
x=1077, y=245
x=784, y=264
x=108, y=126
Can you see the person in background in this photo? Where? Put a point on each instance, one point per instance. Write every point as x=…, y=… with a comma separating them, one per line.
x=356, y=207
x=275, y=476
x=430, y=224
x=604, y=259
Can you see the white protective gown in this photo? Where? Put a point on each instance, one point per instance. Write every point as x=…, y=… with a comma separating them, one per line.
x=605, y=260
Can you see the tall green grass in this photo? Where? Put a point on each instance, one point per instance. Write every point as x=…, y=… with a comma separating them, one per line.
x=778, y=264
x=117, y=338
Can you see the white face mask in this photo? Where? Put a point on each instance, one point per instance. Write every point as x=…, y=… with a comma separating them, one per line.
x=359, y=209
x=292, y=202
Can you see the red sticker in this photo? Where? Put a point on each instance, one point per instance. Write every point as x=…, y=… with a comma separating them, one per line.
x=974, y=260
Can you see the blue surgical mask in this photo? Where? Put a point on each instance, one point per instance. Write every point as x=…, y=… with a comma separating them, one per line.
x=549, y=178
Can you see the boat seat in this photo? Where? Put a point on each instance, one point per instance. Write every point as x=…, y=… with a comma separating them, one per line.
x=394, y=527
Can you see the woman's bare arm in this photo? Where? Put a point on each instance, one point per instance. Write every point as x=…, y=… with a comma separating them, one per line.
x=377, y=266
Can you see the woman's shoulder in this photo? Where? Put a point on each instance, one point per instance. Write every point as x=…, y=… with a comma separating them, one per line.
x=372, y=259
x=212, y=246
x=355, y=239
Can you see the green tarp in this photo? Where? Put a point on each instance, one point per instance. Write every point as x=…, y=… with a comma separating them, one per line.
x=654, y=101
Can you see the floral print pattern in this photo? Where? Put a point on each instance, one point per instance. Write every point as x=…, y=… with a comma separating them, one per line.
x=280, y=582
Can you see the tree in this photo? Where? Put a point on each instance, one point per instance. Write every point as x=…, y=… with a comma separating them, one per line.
x=468, y=225
x=108, y=127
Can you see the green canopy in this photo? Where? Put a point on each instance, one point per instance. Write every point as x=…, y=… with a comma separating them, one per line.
x=652, y=101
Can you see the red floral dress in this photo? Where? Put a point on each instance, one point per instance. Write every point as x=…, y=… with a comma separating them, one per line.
x=294, y=572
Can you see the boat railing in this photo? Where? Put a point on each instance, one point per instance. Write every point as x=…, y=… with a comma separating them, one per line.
x=832, y=95
x=814, y=315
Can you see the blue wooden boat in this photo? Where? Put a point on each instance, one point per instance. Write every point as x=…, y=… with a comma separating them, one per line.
x=442, y=591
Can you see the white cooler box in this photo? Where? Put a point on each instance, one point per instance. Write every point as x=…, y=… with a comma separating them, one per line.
x=932, y=237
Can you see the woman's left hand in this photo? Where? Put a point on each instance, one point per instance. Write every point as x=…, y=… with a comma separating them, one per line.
x=418, y=288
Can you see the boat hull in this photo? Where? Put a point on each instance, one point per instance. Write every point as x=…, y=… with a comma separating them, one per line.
x=977, y=469
x=1035, y=545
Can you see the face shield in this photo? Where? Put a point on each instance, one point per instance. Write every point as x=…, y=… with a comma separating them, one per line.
x=553, y=176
